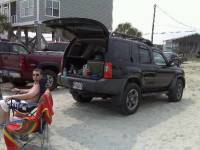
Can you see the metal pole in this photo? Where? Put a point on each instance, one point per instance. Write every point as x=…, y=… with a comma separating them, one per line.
x=154, y=15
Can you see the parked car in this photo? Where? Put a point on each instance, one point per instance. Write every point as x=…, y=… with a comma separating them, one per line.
x=171, y=56
x=102, y=64
x=17, y=63
x=182, y=57
x=198, y=54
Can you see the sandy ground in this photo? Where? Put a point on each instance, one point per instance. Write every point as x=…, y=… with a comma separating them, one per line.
x=158, y=124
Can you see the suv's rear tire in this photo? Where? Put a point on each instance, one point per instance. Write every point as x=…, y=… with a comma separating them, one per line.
x=51, y=79
x=130, y=99
x=80, y=98
x=176, y=93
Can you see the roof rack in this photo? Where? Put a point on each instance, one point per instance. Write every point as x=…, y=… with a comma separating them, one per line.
x=125, y=36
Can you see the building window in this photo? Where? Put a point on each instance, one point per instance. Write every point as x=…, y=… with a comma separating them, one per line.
x=27, y=8
x=53, y=8
x=5, y=10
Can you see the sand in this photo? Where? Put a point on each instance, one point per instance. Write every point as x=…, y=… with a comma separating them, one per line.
x=158, y=124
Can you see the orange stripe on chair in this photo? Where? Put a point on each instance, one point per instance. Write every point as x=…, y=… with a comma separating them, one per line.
x=10, y=141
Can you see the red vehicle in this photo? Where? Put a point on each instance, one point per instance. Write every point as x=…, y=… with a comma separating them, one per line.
x=17, y=63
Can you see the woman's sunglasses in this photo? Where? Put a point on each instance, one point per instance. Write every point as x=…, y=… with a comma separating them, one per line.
x=36, y=74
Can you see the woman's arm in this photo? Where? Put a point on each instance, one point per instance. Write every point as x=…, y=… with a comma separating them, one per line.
x=34, y=91
x=24, y=91
x=21, y=91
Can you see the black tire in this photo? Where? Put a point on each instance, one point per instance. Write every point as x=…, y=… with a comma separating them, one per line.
x=4, y=80
x=16, y=82
x=51, y=79
x=80, y=98
x=129, y=105
x=176, y=93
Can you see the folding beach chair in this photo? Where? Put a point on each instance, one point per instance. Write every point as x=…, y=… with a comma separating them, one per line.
x=22, y=130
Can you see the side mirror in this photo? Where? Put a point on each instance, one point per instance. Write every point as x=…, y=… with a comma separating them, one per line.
x=171, y=63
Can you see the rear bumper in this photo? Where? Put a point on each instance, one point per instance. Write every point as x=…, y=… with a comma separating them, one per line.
x=100, y=87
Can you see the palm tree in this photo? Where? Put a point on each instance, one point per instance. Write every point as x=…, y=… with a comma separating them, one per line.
x=127, y=28
x=4, y=24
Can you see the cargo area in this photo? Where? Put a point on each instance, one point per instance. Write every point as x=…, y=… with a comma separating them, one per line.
x=85, y=58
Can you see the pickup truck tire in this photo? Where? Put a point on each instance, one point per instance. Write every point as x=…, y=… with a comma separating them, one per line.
x=4, y=80
x=80, y=98
x=51, y=79
x=131, y=98
x=176, y=93
x=18, y=82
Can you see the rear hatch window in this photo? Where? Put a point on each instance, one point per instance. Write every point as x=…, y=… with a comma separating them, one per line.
x=56, y=47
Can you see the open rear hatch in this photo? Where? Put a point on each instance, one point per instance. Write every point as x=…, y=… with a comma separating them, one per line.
x=85, y=56
x=80, y=27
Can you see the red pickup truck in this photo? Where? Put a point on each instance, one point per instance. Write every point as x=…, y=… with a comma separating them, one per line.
x=17, y=63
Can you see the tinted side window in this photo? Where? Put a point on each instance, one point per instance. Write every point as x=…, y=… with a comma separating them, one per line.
x=159, y=59
x=19, y=49
x=4, y=47
x=135, y=53
x=119, y=50
x=145, y=57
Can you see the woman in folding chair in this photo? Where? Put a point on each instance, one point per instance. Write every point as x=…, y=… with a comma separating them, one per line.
x=19, y=101
x=34, y=126
x=28, y=101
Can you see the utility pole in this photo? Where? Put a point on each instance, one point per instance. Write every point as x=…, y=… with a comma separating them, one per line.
x=154, y=15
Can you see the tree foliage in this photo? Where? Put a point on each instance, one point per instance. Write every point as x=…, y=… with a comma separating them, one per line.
x=4, y=25
x=127, y=28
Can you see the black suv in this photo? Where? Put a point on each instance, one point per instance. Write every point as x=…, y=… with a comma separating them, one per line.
x=102, y=64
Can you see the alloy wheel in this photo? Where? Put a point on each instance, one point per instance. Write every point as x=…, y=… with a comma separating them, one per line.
x=132, y=99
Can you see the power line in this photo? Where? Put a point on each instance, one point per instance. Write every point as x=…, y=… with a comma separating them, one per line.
x=178, y=27
x=174, y=19
x=169, y=32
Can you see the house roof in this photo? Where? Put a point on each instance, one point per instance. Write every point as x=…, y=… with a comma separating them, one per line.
x=161, y=38
x=185, y=36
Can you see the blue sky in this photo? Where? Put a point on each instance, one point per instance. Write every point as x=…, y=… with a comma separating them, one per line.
x=140, y=12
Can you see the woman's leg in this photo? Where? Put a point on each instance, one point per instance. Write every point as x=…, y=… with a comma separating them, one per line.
x=4, y=112
x=4, y=116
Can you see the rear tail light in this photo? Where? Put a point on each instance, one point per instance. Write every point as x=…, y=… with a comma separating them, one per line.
x=22, y=62
x=108, y=70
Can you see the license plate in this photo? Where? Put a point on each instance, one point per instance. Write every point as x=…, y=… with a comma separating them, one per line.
x=77, y=85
